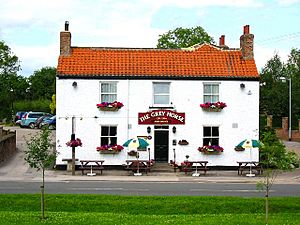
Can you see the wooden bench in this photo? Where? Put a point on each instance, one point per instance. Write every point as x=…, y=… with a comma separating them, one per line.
x=88, y=165
x=69, y=163
x=245, y=165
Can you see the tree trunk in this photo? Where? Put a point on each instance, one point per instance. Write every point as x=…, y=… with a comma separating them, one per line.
x=267, y=199
x=42, y=195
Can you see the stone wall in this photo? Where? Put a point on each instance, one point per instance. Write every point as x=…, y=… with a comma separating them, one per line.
x=7, y=144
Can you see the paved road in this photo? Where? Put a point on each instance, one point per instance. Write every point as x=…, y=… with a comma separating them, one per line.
x=145, y=188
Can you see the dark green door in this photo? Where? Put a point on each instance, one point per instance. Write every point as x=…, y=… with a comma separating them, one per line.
x=161, y=145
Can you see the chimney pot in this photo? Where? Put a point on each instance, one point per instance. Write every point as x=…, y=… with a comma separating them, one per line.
x=246, y=29
x=67, y=26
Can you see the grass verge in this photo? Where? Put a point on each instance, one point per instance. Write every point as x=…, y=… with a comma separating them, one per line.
x=107, y=209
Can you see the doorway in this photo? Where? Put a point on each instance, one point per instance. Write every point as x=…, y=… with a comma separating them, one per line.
x=161, y=145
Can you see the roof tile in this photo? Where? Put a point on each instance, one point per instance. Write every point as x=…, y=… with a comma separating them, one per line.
x=203, y=61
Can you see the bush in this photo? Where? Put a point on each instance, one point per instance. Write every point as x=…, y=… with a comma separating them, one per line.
x=273, y=153
x=41, y=105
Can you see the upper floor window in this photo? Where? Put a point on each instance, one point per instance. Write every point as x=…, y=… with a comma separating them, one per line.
x=108, y=135
x=211, y=93
x=210, y=135
x=108, y=91
x=161, y=93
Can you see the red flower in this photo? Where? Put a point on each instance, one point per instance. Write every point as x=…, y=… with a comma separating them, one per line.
x=219, y=105
x=210, y=148
x=114, y=104
x=115, y=148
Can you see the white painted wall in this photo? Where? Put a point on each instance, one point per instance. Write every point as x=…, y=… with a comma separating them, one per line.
x=136, y=95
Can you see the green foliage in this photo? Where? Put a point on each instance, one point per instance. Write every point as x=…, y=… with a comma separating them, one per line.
x=43, y=83
x=183, y=37
x=9, y=66
x=274, y=158
x=38, y=155
x=15, y=88
x=273, y=153
x=274, y=94
x=109, y=209
x=40, y=105
x=9, y=63
x=53, y=104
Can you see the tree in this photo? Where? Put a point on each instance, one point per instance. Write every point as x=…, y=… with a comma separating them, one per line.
x=9, y=63
x=293, y=71
x=9, y=66
x=273, y=99
x=274, y=94
x=274, y=158
x=183, y=37
x=42, y=83
x=40, y=157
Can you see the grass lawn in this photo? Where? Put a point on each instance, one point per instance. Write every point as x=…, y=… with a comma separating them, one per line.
x=107, y=209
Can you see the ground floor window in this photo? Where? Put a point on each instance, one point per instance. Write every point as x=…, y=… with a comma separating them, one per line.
x=210, y=135
x=108, y=135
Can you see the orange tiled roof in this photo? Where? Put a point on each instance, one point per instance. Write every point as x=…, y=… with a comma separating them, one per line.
x=199, y=61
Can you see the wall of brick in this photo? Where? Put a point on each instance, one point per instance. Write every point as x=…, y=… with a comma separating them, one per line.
x=283, y=132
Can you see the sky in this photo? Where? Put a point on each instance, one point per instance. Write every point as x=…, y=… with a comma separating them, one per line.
x=31, y=28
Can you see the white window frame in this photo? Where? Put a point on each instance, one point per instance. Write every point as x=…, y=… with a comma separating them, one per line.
x=108, y=136
x=211, y=137
x=108, y=93
x=211, y=95
x=161, y=94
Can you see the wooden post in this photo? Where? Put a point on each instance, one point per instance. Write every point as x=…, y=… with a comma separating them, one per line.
x=174, y=166
x=73, y=148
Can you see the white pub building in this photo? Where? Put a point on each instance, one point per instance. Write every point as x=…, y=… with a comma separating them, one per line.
x=199, y=101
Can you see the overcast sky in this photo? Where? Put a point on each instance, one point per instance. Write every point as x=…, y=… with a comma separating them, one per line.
x=31, y=27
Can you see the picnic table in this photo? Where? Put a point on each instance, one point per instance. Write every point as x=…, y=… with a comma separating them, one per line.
x=138, y=164
x=196, y=166
x=249, y=165
x=91, y=165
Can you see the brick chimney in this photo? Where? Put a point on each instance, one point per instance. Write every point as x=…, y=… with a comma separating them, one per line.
x=222, y=42
x=65, y=41
x=246, y=43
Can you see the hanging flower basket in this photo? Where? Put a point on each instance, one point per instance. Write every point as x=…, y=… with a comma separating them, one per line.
x=239, y=149
x=213, y=107
x=110, y=106
x=211, y=149
x=183, y=142
x=132, y=153
x=74, y=143
x=109, y=149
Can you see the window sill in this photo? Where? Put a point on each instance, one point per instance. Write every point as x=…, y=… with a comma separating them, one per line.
x=161, y=107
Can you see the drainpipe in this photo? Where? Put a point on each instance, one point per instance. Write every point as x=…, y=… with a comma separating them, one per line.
x=128, y=105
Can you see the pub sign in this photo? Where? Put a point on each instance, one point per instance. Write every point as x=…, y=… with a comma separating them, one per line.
x=161, y=117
